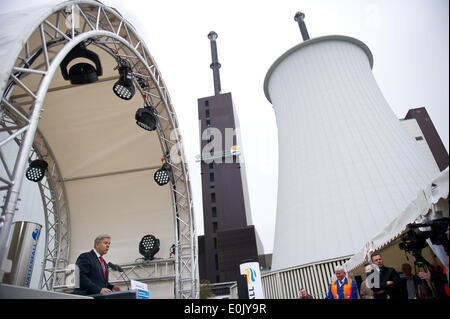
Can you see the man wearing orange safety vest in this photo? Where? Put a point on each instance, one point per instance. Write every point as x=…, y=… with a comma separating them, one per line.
x=342, y=287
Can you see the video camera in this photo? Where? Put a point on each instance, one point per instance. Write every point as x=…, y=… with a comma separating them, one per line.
x=415, y=240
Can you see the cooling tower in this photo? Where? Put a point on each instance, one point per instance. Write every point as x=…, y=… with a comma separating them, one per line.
x=346, y=166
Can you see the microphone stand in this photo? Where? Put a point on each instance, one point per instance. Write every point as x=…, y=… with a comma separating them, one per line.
x=121, y=272
x=125, y=277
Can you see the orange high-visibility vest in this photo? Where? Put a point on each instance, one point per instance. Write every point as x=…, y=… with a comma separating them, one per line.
x=347, y=289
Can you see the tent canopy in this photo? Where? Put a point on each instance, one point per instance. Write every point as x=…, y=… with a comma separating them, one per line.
x=417, y=211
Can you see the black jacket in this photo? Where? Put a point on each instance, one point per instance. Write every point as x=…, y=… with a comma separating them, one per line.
x=92, y=279
x=393, y=291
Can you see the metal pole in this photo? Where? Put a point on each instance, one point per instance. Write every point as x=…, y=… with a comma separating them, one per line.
x=299, y=17
x=177, y=249
x=215, y=65
x=17, y=178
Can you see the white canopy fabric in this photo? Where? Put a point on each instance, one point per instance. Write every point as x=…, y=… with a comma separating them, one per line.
x=16, y=27
x=92, y=135
x=417, y=211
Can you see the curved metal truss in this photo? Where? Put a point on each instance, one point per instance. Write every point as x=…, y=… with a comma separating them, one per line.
x=94, y=24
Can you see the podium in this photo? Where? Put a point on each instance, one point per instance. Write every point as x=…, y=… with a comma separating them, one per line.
x=127, y=294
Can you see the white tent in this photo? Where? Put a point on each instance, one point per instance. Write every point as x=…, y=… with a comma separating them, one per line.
x=101, y=164
x=421, y=209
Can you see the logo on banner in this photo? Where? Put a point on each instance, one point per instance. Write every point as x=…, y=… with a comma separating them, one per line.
x=252, y=272
x=251, y=275
x=35, y=234
x=234, y=150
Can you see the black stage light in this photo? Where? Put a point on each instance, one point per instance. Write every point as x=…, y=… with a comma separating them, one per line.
x=81, y=73
x=162, y=176
x=145, y=118
x=124, y=87
x=149, y=246
x=36, y=170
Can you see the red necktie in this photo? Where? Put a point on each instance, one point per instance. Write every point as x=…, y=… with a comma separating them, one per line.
x=103, y=266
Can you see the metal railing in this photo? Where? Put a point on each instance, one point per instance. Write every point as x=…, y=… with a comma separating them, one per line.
x=143, y=271
x=286, y=283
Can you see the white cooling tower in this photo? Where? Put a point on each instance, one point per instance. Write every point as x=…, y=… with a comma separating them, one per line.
x=346, y=166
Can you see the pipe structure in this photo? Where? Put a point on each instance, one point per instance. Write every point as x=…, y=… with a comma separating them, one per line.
x=215, y=65
x=300, y=17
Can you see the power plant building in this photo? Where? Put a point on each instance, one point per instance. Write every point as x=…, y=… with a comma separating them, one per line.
x=229, y=236
x=347, y=167
x=418, y=122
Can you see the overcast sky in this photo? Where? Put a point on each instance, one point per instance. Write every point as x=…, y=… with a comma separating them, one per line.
x=409, y=40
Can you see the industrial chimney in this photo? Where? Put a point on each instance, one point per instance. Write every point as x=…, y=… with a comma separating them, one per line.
x=299, y=17
x=215, y=65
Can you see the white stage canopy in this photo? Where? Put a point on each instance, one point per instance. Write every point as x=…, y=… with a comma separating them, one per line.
x=101, y=164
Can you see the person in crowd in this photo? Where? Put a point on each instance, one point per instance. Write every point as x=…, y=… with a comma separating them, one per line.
x=342, y=287
x=413, y=287
x=93, y=269
x=436, y=275
x=389, y=280
x=365, y=291
x=303, y=294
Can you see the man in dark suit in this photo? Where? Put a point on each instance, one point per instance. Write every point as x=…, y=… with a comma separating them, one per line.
x=93, y=269
x=389, y=284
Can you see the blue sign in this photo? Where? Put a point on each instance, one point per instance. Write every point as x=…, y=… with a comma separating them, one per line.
x=143, y=294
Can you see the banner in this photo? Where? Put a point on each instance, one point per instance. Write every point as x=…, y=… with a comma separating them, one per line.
x=253, y=273
x=141, y=289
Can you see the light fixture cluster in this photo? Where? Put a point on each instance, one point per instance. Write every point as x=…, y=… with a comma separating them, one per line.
x=85, y=73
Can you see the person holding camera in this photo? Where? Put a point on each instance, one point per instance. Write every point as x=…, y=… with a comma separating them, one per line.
x=437, y=275
x=413, y=286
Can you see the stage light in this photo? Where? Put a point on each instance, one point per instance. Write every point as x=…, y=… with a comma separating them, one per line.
x=146, y=118
x=36, y=170
x=124, y=87
x=162, y=176
x=149, y=246
x=81, y=73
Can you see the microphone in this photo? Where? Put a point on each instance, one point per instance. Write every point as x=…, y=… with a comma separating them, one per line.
x=115, y=267
x=120, y=270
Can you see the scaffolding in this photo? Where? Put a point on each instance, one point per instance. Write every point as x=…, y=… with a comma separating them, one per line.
x=102, y=27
